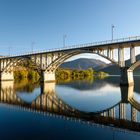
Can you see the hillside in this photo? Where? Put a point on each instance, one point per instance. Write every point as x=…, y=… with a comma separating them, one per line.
x=111, y=69
x=114, y=69
x=84, y=63
x=98, y=65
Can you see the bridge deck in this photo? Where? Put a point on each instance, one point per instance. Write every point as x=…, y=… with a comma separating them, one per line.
x=112, y=44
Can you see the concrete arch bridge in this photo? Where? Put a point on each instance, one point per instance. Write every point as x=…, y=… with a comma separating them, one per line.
x=48, y=61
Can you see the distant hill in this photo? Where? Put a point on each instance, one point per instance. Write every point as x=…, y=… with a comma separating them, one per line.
x=111, y=69
x=84, y=63
x=98, y=65
x=114, y=69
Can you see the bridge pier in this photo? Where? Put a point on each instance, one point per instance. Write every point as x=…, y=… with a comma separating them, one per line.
x=47, y=88
x=126, y=76
x=7, y=76
x=47, y=76
x=126, y=93
x=121, y=60
x=133, y=114
x=132, y=55
x=122, y=111
x=7, y=91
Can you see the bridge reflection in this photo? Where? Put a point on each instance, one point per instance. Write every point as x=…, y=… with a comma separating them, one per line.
x=47, y=101
x=127, y=96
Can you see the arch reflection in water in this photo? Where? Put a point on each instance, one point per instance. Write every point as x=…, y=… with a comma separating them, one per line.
x=90, y=100
x=48, y=101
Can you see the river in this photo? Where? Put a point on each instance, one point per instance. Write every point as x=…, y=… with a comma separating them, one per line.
x=84, y=110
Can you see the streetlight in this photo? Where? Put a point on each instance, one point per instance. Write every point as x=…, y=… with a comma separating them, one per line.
x=9, y=48
x=112, y=31
x=32, y=46
x=64, y=39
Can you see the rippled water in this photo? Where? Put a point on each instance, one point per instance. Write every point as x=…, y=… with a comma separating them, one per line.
x=98, y=109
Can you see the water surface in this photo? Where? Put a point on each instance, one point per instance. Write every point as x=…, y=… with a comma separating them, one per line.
x=98, y=109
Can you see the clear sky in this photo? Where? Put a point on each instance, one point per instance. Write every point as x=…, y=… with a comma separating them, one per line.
x=44, y=22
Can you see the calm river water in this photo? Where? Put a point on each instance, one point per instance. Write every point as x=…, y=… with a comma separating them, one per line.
x=84, y=110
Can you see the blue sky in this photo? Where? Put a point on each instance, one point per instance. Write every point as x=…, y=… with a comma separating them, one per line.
x=46, y=21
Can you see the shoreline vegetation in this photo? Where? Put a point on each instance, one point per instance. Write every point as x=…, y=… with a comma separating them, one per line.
x=28, y=74
x=26, y=70
x=66, y=75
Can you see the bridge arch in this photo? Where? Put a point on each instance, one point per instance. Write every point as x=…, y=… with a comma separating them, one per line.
x=45, y=64
x=15, y=62
x=54, y=65
x=134, y=103
x=127, y=77
x=134, y=66
x=128, y=96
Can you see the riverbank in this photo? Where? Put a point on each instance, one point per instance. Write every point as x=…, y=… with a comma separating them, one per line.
x=61, y=74
x=75, y=74
x=28, y=74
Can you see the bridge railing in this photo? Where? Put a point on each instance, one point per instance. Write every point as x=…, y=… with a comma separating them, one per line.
x=134, y=38
x=106, y=42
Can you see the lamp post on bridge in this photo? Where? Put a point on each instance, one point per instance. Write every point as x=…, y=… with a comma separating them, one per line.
x=64, y=39
x=9, y=49
x=112, y=31
x=32, y=46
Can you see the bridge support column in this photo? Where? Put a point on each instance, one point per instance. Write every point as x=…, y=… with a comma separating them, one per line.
x=126, y=76
x=133, y=114
x=7, y=91
x=121, y=57
x=122, y=110
x=47, y=76
x=132, y=54
x=47, y=88
x=112, y=112
x=7, y=76
x=126, y=93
